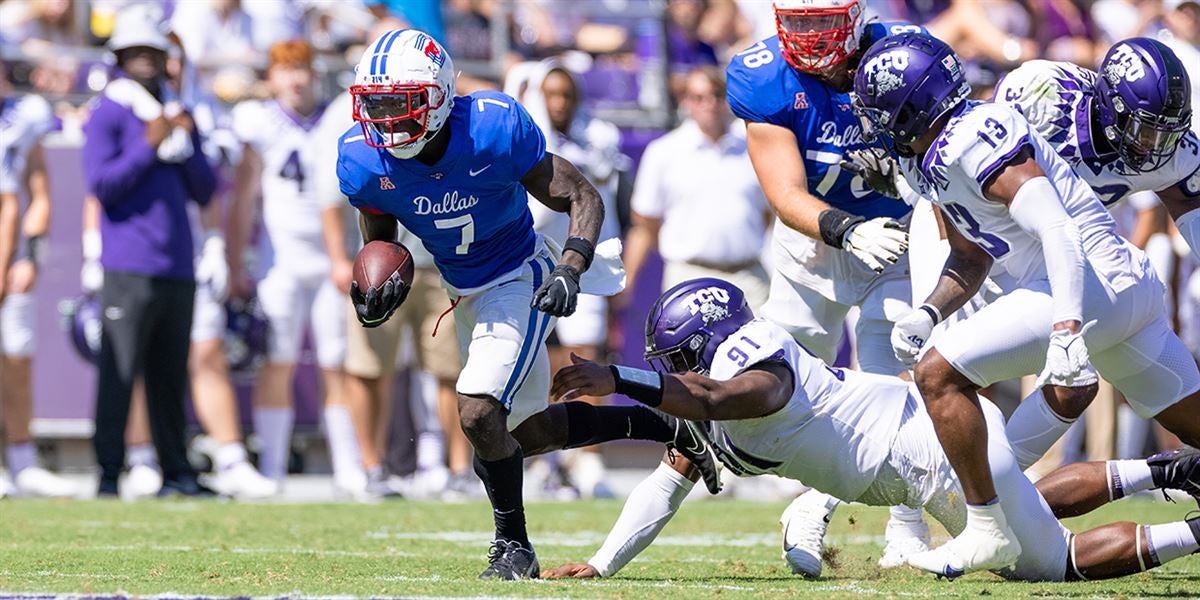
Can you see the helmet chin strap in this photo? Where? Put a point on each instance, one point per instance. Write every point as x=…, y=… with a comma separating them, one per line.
x=411, y=150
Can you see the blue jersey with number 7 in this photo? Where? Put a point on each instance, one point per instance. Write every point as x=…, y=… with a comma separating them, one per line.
x=763, y=88
x=470, y=209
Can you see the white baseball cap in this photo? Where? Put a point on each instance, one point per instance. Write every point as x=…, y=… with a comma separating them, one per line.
x=139, y=25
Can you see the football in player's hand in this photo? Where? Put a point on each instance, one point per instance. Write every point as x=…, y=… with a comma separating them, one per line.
x=378, y=261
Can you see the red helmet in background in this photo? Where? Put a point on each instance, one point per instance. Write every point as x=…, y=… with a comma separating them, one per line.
x=815, y=35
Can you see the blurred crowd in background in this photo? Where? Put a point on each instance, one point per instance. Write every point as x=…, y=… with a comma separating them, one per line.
x=634, y=70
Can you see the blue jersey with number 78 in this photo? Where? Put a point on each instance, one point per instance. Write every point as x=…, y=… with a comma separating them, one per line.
x=763, y=88
x=470, y=209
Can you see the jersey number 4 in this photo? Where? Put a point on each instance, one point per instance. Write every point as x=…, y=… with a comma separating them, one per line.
x=292, y=169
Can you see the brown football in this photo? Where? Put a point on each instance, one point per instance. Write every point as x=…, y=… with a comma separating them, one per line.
x=378, y=260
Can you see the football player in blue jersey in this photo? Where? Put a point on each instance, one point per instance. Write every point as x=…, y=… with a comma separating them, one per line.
x=456, y=173
x=839, y=243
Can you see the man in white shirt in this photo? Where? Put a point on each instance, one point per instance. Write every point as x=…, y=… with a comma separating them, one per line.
x=697, y=199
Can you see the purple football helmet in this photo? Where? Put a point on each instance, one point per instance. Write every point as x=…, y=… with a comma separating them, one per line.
x=246, y=333
x=904, y=83
x=81, y=317
x=690, y=320
x=1143, y=98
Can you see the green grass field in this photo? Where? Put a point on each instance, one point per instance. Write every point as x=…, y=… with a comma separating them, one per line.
x=725, y=549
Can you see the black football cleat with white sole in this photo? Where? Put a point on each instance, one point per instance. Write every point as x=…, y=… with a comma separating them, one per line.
x=1177, y=470
x=692, y=445
x=511, y=561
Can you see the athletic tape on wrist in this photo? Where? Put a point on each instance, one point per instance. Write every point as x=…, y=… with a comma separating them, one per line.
x=641, y=385
x=933, y=312
x=834, y=223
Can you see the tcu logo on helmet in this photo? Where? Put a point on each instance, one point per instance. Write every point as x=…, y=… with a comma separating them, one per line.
x=1125, y=65
x=706, y=301
x=879, y=72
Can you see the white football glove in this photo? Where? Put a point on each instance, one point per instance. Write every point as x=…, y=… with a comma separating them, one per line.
x=910, y=334
x=1067, y=361
x=91, y=275
x=212, y=270
x=878, y=243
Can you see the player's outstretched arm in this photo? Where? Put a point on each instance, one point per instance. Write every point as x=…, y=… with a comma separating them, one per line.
x=758, y=391
x=777, y=162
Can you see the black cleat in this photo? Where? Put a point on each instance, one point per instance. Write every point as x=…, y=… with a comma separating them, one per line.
x=691, y=444
x=1177, y=470
x=107, y=488
x=511, y=561
x=185, y=486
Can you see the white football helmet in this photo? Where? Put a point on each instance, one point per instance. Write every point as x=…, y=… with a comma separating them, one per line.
x=403, y=91
x=818, y=34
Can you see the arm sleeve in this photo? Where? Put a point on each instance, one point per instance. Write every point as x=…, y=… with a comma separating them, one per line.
x=1038, y=209
x=647, y=510
x=111, y=169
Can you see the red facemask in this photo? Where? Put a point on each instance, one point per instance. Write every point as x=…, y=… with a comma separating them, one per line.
x=815, y=39
x=394, y=115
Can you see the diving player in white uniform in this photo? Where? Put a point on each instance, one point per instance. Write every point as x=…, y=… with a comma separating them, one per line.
x=294, y=288
x=1122, y=130
x=1020, y=213
x=767, y=405
x=24, y=120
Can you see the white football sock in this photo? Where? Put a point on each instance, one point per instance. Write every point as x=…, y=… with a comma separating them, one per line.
x=1127, y=477
x=273, y=426
x=20, y=457
x=1189, y=230
x=143, y=455
x=431, y=451
x=1033, y=428
x=228, y=455
x=647, y=509
x=1169, y=541
x=343, y=442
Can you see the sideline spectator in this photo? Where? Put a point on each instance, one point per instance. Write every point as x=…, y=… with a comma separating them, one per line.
x=143, y=161
x=697, y=199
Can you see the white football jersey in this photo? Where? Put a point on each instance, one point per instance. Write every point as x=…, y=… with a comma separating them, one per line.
x=23, y=121
x=976, y=143
x=834, y=434
x=1054, y=97
x=291, y=212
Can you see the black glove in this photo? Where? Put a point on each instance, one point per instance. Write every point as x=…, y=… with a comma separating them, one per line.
x=876, y=167
x=378, y=304
x=559, y=293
